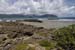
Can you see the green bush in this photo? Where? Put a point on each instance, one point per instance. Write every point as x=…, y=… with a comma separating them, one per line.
x=65, y=37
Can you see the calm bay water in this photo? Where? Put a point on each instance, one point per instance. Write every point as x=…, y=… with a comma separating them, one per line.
x=22, y=18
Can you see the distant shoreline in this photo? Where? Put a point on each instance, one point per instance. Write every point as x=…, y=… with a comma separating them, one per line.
x=50, y=23
x=44, y=22
x=16, y=19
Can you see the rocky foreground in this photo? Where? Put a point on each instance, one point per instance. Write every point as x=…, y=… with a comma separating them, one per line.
x=19, y=36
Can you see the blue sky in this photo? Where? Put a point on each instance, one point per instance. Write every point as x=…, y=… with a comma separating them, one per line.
x=57, y=7
x=70, y=2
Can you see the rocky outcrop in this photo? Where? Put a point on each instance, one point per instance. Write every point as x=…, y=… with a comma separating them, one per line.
x=13, y=33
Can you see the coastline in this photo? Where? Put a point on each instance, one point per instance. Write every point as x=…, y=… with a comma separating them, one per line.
x=50, y=23
x=31, y=32
x=43, y=22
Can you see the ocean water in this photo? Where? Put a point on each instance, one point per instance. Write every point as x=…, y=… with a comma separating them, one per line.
x=66, y=19
x=22, y=18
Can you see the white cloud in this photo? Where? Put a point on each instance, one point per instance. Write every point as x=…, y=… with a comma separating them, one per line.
x=57, y=7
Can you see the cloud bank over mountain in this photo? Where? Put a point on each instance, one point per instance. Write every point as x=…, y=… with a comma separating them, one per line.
x=57, y=7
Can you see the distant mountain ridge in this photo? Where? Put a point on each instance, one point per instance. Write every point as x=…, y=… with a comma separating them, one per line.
x=66, y=17
x=49, y=16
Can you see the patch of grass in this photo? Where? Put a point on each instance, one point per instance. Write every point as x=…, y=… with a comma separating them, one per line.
x=46, y=43
x=21, y=46
x=31, y=48
x=42, y=34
